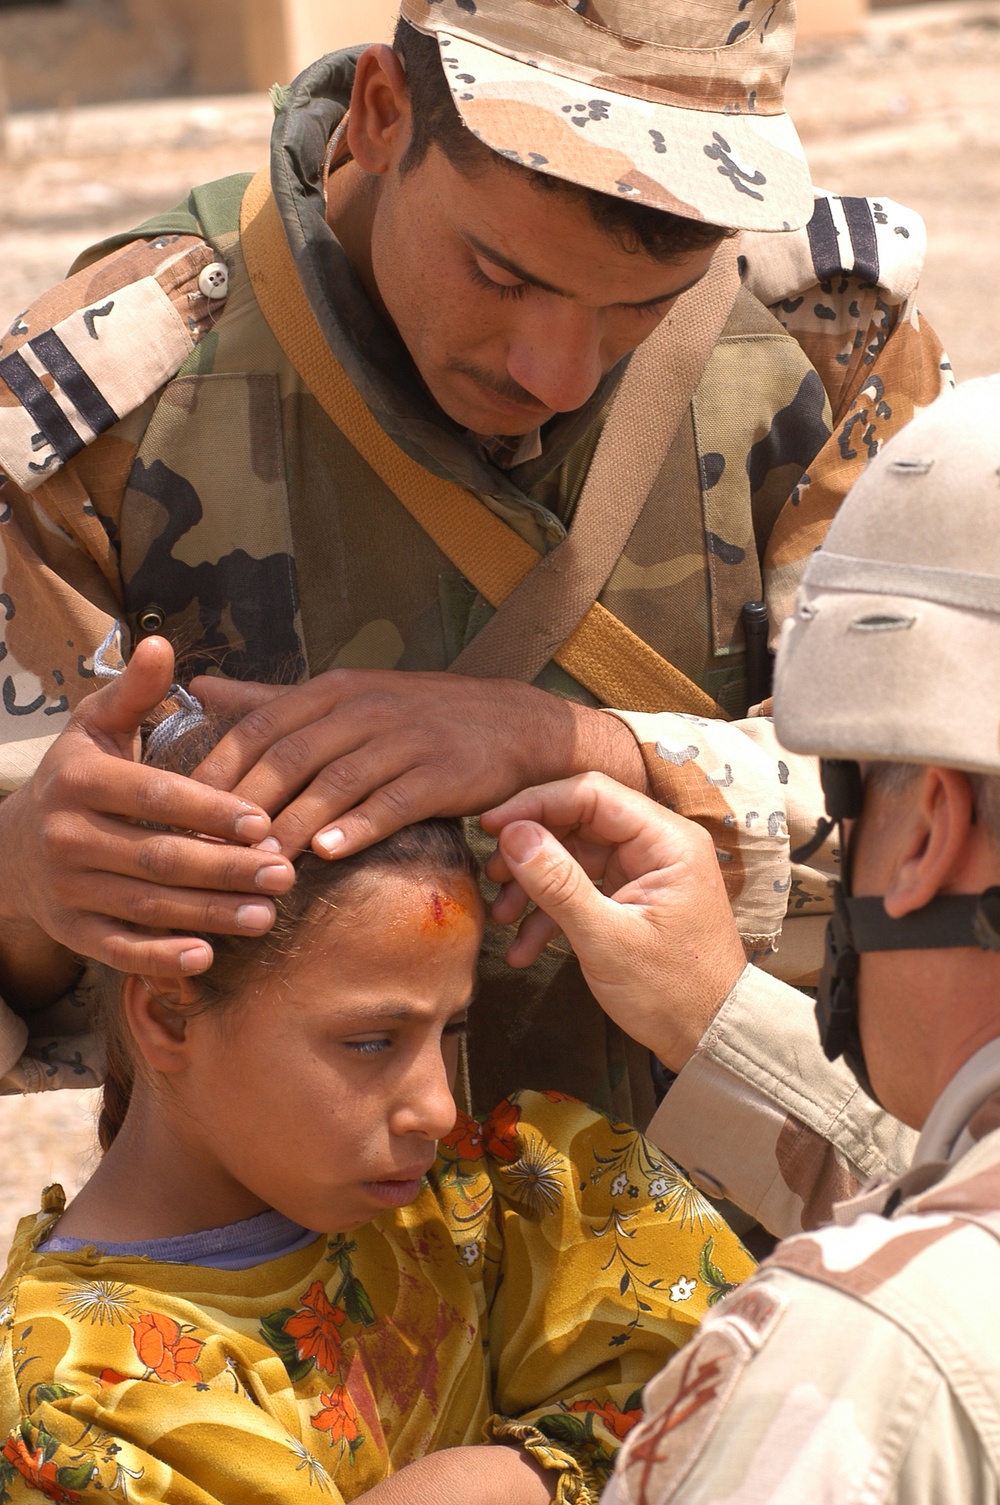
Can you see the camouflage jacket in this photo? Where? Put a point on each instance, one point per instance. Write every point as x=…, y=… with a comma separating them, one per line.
x=860, y=1363
x=164, y=462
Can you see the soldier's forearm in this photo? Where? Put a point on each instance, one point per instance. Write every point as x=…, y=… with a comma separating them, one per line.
x=760, y=1116
x=34, y=969
x=608, y=745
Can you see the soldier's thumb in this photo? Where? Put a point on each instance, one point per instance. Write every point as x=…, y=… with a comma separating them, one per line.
x=556, y=882
x=118, y=710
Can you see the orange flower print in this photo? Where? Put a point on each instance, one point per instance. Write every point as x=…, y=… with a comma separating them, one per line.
x=500, y=1132
x=618, y=1423
x=166, y=1350
x=109, y=1377
x=315, y=1329
x=560, y=1097
x=466, y=1139
x=339, y=1416
x=37, y=1471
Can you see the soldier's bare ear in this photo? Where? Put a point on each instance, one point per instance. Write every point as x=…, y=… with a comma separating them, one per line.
x=379, y=126
x=932, y=844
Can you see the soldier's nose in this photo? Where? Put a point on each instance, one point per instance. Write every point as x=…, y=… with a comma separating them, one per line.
x=560, y=378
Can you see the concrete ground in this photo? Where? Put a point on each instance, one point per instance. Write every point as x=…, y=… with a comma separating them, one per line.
x=907, y=112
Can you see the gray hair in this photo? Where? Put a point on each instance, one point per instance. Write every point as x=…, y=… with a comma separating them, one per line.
x=893, y=778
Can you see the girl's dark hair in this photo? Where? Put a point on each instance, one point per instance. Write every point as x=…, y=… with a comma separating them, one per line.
x=429, y=849
x=436, y=122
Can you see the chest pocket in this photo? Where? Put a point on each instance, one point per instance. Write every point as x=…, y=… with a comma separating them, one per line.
x=761, y=415
x=206, y=541
x=757, y=420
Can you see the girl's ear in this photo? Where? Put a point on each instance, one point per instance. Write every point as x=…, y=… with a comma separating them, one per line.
x=155, y=1009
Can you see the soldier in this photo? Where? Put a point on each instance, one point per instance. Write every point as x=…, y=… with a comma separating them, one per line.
x=860, y=1362
x=329, y=419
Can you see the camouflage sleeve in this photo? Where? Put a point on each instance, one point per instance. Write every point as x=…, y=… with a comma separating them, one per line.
x=846, y=289
x=760, y=1116
x=79, y=371
x=715, y=775
x=758, y=802
x=794, y=1391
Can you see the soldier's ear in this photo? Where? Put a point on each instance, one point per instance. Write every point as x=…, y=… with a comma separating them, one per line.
x=380, y=123
x=932, y=828
x=157, y=1011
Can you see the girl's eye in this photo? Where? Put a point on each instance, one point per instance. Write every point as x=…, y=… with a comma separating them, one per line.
x=368, y=1047
x=460, y=1027
x=502, y=289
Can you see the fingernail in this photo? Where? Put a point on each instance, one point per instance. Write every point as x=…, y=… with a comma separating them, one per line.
x=330, y=841
x=522, y=841
x=254, y=916
x=269, y=844
x=272, y=879
x=252, y=827
x=198, y=959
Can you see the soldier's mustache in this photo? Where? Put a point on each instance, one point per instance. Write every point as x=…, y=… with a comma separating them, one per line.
x=504, y=386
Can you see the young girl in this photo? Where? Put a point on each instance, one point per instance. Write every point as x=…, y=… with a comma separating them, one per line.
x=296, y=1275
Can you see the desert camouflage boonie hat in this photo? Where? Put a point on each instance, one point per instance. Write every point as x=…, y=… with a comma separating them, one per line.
x=893, y=650
x=677, y=106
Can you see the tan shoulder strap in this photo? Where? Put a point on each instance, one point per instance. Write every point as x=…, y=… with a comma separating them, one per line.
x=642, y=423
x=601, y=652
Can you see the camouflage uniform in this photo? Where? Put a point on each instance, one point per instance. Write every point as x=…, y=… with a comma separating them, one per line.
x=220, y=500
x=859, y=1364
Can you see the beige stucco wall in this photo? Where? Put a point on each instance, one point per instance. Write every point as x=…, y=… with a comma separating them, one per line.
x=97, y=50
x=317, y=26
x=94, y=50
x=827, y=18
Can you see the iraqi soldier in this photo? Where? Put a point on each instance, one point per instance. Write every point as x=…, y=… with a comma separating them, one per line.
x=860, y=1363
x=331, y=418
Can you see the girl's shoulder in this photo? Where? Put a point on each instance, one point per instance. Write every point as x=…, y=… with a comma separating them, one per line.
x=546, y=1156
x=97, y=1320
x=525, y=1124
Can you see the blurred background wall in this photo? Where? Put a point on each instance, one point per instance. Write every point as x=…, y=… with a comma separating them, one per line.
x=73, y=52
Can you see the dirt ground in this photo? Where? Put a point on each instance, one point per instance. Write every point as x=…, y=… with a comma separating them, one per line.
x=908, y=112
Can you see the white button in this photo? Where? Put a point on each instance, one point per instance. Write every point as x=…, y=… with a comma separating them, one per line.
x=213, y=282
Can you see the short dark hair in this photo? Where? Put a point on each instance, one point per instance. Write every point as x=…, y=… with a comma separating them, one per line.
x=436, y=122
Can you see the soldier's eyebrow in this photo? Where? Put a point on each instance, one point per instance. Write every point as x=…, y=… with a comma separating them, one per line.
x=549, y=287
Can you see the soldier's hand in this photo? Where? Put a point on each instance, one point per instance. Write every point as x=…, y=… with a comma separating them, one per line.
x=656, y=941
x=355, y=754
x=87, y=871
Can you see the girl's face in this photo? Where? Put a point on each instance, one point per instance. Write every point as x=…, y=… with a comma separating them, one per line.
x=323, y=1093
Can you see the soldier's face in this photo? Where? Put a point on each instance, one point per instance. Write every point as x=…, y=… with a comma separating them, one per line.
x=512, y=302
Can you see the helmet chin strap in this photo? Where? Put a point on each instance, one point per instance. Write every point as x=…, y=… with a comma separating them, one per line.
x=860, y=925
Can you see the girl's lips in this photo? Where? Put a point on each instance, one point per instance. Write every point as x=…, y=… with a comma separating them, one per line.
x=394, y=1193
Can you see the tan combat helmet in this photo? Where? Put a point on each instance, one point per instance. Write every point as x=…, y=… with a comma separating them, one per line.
x=893, y=651
x=676, y=105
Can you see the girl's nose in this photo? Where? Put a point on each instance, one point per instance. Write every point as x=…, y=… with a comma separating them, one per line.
x=427, y=1106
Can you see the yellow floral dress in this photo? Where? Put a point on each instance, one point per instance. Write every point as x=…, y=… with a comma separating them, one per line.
x=551, y=1264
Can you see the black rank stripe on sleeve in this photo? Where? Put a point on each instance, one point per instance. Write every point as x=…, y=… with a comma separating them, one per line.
x=53, y=425
x=826, y=240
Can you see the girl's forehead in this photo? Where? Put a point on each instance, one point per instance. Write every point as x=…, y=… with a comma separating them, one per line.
x=404, y=908
x=446, y=907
